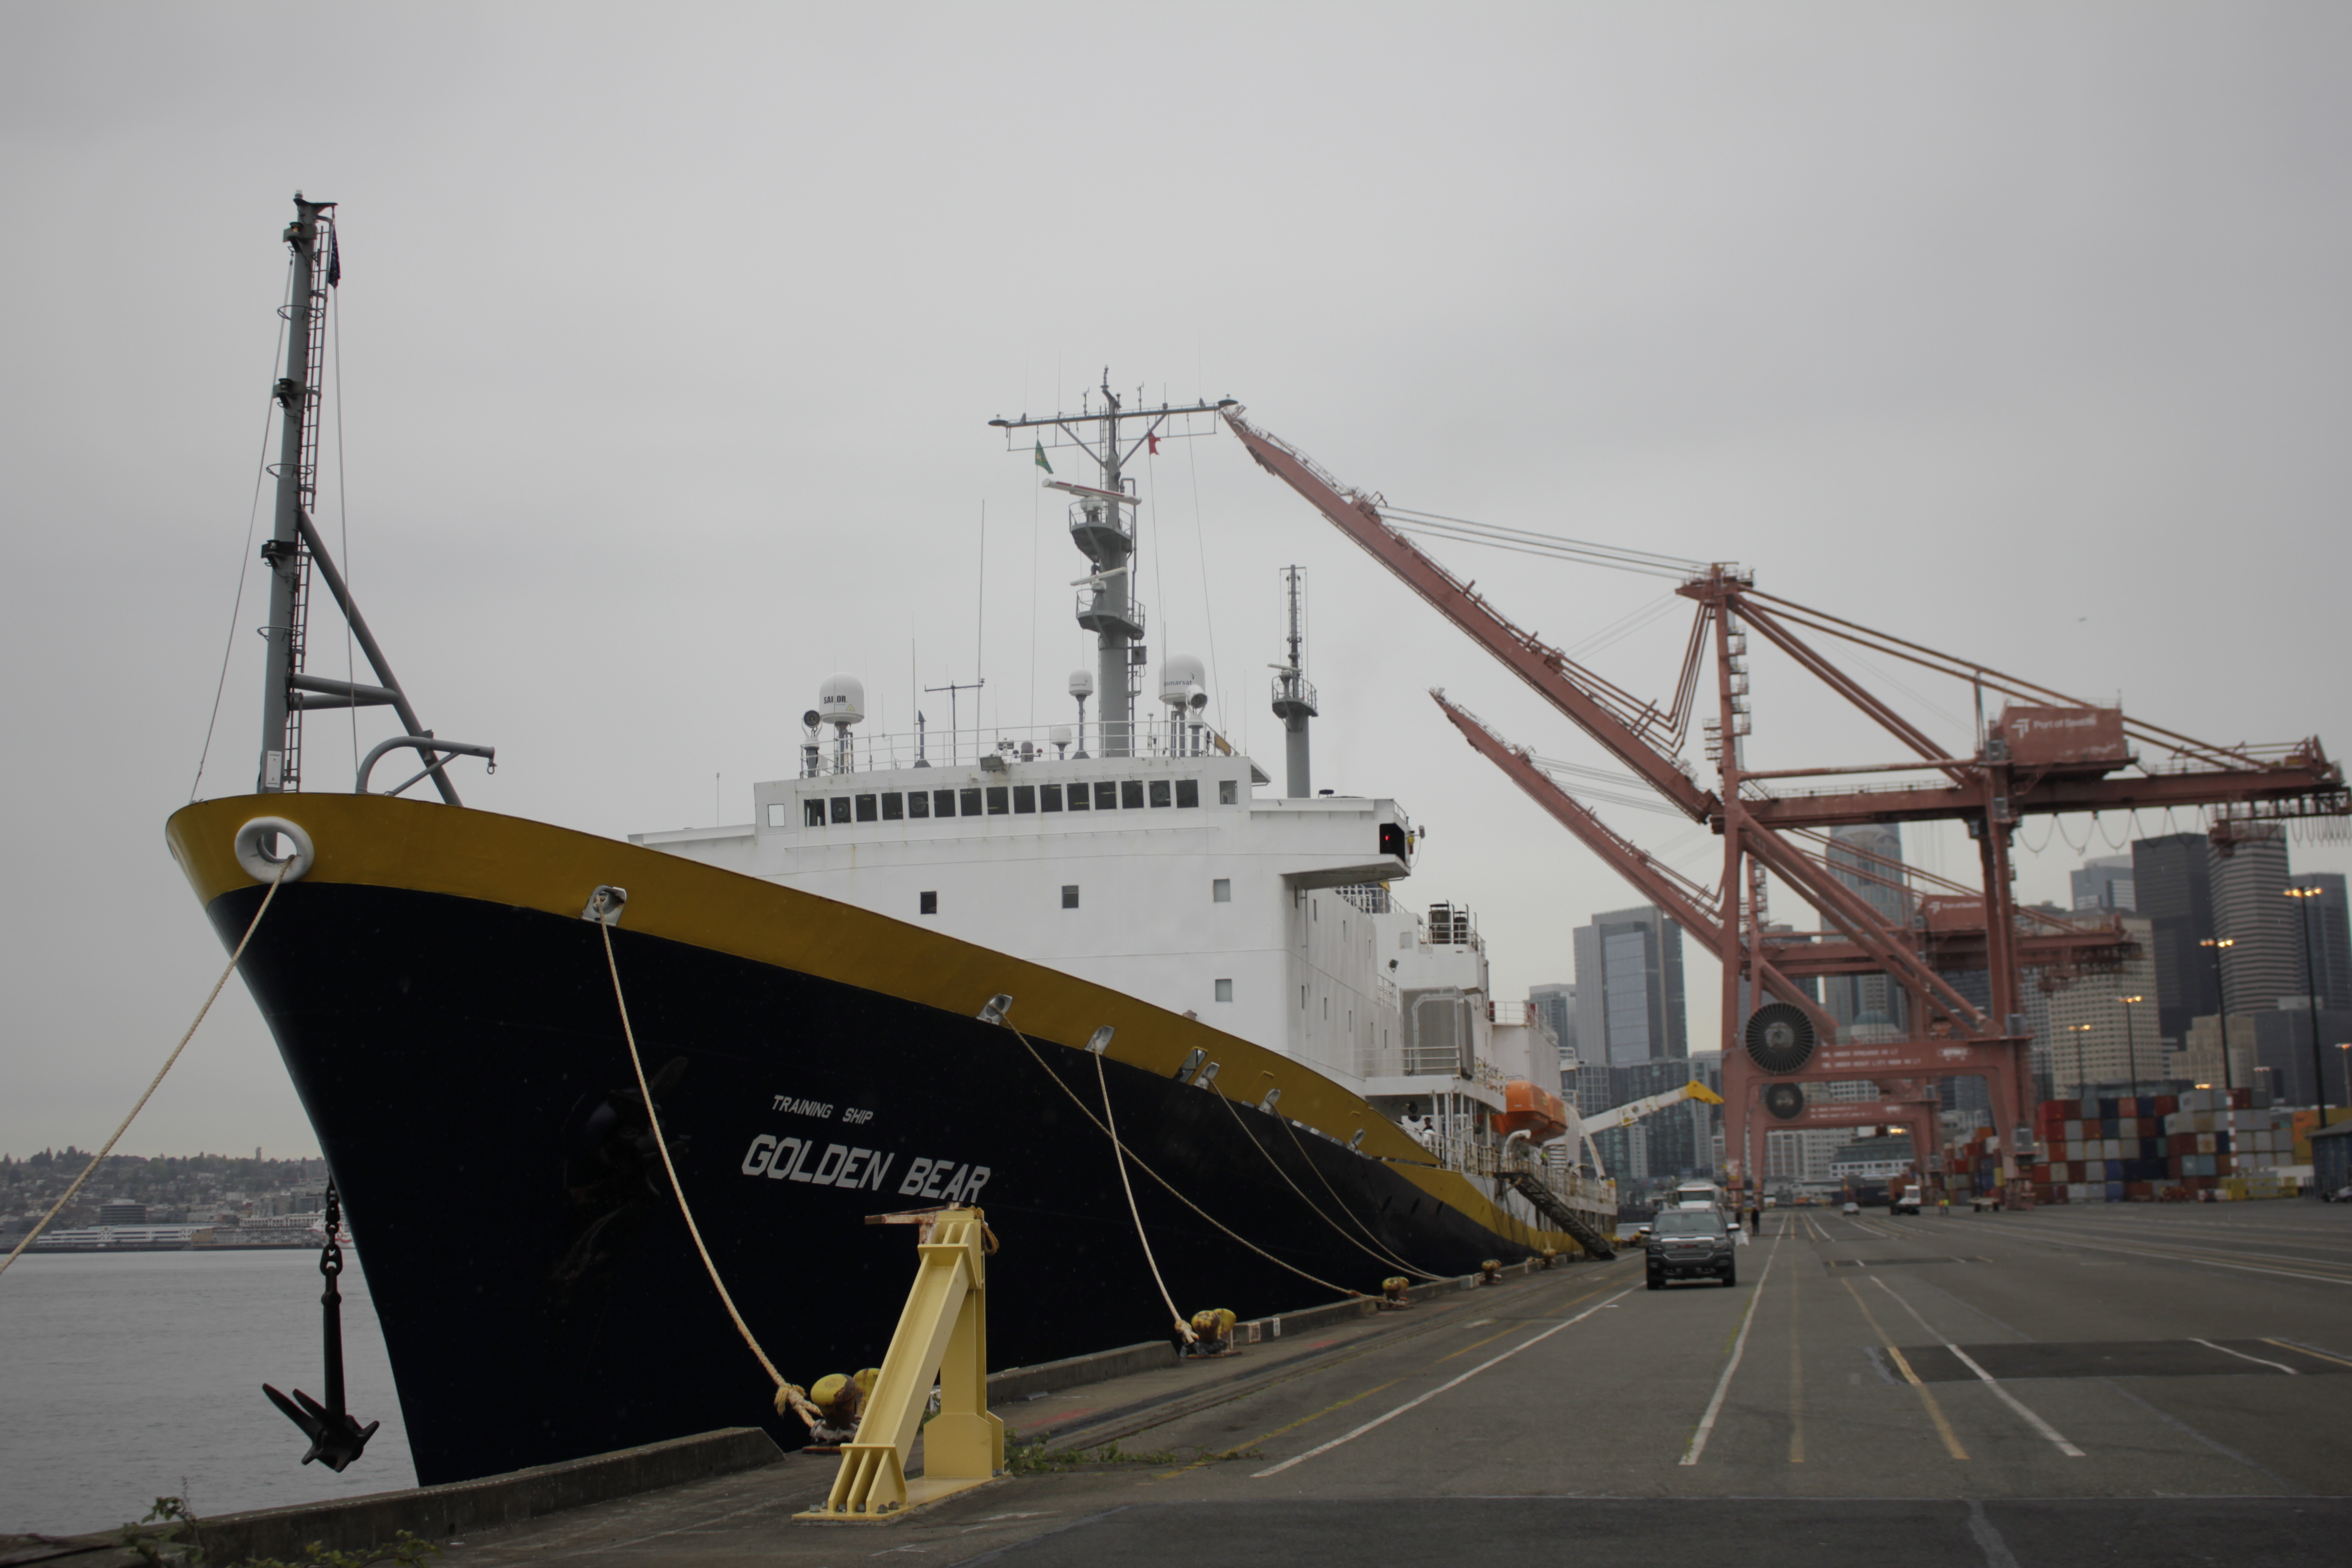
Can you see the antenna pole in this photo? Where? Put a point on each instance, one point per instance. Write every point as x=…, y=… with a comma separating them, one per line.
x=298, y=399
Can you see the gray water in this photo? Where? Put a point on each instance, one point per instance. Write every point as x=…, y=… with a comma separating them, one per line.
x=128, y=1377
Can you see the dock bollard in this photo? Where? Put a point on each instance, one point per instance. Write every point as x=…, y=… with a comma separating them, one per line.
x=942, y=1336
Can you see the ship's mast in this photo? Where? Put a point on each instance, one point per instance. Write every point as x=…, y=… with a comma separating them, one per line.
x=294, y=550
x=297, y=482
x=1104, y=526
x=1294, y=694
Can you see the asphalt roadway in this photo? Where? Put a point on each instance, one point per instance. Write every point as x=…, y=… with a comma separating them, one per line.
x=2125, y=1384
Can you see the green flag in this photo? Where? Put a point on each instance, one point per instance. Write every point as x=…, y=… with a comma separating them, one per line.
x=1041, y=458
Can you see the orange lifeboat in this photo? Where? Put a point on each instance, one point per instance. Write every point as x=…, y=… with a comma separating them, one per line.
x=1531, y=1109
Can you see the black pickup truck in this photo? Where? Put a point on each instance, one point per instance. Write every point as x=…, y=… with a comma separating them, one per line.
x=1690, y=1244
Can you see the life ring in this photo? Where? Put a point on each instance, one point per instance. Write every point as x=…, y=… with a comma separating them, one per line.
x=258, y=863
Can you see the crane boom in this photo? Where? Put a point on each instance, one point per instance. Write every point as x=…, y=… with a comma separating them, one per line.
x=1615, y=720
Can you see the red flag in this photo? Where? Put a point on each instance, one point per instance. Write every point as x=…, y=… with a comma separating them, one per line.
x=1155, y=446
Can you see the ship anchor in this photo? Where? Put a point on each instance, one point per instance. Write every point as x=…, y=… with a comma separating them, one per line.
x=336, y=1436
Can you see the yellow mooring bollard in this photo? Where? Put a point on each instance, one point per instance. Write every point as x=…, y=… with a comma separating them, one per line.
x=942, y=1335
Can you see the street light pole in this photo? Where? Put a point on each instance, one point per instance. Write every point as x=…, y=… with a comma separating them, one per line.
x=2221, y=1004
x=2079, y=1030
x=2131, y=1037
x=2311, y=987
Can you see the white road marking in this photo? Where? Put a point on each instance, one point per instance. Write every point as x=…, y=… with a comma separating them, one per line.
x=2049, y=1239
x=2003, y=1395
x=2242, y=1355
x=1723, y=1384
x=1419, y=1399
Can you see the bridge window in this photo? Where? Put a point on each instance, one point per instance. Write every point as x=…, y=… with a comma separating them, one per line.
x=1224, y=990
x=1159, y=792
x=929, y=903
x=1069, y=895
x=813, y=813
x=1130, y=794
x=997, y=804
x=919, y=803
x=1049, y=797
x=1106, y=797
x=893, y=807
x=841, y=808
x=1187, y=792
x=1221, y=890
x=867, y=809
x=1024, y=800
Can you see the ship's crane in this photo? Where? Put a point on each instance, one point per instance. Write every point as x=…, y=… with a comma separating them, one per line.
x=2047, y=753
x=1580, y=1129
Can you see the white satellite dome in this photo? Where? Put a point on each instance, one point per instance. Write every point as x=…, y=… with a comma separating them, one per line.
x=1082, y=683
x=1183, y=681
x=841, y=699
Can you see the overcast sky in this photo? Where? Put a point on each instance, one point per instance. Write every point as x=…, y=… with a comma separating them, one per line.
x=669, y=337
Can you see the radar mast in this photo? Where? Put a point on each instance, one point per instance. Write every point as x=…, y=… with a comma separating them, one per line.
x=1104, y=526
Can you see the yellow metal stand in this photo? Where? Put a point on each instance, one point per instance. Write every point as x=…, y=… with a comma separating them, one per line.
x=942, y=1335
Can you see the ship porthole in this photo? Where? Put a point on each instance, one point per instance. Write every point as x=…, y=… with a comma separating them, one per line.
x=256, y=839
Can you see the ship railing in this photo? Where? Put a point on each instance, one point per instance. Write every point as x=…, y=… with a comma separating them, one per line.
x=1014, y=745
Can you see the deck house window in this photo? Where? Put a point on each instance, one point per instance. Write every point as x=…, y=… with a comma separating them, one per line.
x=1187, y=792
x=1069, y=895
x=1160, y=796
x=943, y=803
x=1106, y=797
x=1049, y=797
x=971, y=803
x=1228, y=791
x=841, y=808
x=867, y=809
x=919, y=803
x=893, y=807
x=1221, y=890
x=812, y=813
x=1130, y=794
x=1024, y=800
x=997, y=804
x=929, y=903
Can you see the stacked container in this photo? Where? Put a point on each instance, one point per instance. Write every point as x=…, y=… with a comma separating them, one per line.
x=2136, y=1147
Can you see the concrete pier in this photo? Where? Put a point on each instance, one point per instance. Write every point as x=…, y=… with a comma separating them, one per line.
x=2121, y=1384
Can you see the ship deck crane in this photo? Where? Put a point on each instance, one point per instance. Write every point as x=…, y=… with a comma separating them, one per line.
x=2015, y=770
x=1581, y=1128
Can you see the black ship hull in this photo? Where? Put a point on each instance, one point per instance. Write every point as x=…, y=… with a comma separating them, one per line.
x=462, y=1060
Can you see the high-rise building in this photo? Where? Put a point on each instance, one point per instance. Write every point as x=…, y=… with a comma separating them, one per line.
x=2097, y=1037
x=2262, y=965
x=1868, y=858
x=2172, y=886
x=1629, y=989
x=2105, y=883
x=1557, y=1003
x=2330, y=935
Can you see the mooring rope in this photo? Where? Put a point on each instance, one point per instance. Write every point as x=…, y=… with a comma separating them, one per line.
x=96, y=1160
x=1164, y=1182
x=1342, y=1204
x=785, y=1390
x=1383, y=1259
x=1118, y=1158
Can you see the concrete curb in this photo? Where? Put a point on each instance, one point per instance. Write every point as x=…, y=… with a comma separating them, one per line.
x=436, y=1513
x=1052, y=1376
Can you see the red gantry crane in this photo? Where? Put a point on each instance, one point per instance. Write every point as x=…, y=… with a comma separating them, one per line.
x=2045, y=754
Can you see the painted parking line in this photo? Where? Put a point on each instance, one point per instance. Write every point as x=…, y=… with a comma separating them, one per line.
x=1934, y=1411
x=2003, y=1395
x=1723, y=1384
x=1383, y=1420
